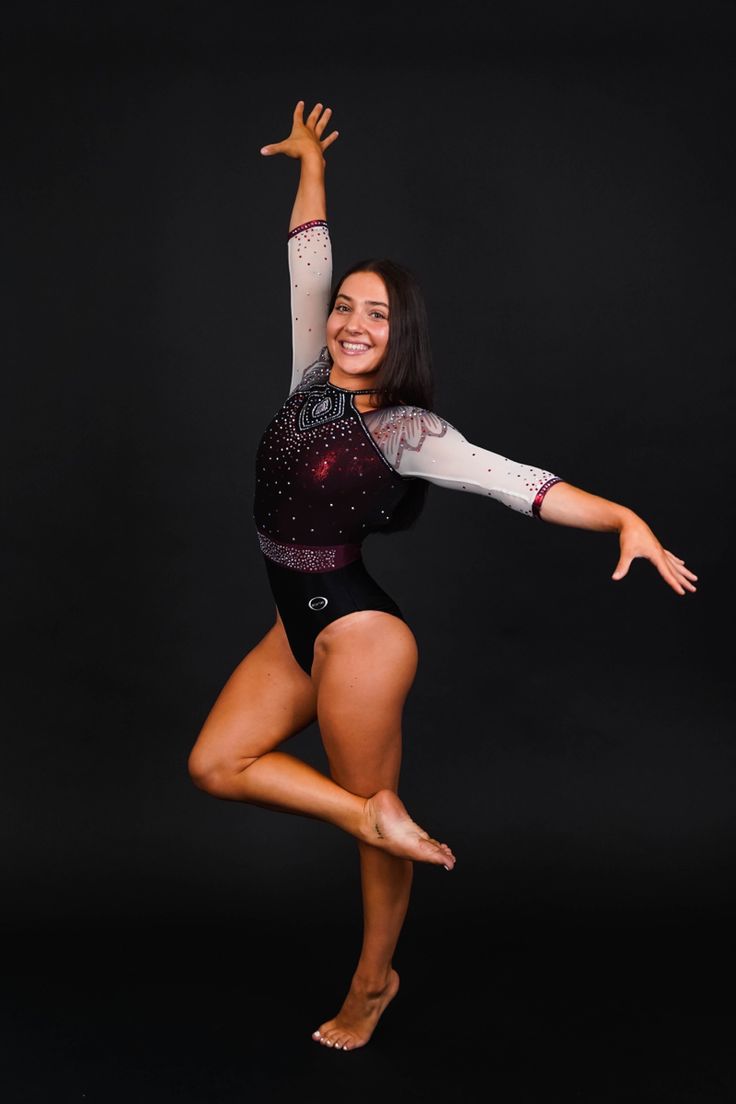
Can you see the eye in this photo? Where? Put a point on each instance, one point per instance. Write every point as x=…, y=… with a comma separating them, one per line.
x=342, y=307
x=378, y=314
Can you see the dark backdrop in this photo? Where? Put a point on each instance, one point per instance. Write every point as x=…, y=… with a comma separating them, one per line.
x=561, y=179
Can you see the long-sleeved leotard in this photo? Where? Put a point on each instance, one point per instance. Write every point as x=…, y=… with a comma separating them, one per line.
x=327, y=474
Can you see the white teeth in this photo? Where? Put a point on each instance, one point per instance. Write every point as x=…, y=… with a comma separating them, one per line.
x=354, y=348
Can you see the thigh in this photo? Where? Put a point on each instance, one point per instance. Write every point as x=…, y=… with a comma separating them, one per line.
x=364, y=667
x=267, y=698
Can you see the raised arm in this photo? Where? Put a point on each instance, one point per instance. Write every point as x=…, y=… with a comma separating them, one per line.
x=420, y=444
x=309, y=251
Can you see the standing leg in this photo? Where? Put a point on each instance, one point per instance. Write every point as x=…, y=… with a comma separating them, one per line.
x=364, y=668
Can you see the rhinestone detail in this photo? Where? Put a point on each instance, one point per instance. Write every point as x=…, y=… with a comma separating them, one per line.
x=304, y=557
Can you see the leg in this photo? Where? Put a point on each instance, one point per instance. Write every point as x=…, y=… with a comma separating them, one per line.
x=364, y=668
x=267, y=699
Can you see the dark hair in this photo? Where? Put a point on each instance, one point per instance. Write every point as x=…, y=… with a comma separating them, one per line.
x=405, y=375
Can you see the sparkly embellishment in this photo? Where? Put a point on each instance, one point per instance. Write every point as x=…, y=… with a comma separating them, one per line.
x=316, y=373
x=305, y=557
x=396, y=428
x=306, y=226
x=537, y=503
x=320, y=408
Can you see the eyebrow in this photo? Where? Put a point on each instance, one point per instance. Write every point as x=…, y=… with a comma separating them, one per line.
x=373, y=302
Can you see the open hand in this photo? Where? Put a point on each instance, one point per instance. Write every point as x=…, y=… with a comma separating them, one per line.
x=638, y=540
x=306, y=137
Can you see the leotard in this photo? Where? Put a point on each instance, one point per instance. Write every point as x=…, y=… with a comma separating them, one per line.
x=327, y=475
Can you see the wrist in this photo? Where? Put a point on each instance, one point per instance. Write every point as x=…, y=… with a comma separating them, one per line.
x=312, y=160
x=624, y=518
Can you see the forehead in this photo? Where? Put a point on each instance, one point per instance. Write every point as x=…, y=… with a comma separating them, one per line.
x=364, y=285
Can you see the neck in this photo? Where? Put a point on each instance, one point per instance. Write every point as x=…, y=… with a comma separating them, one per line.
x=365, y=381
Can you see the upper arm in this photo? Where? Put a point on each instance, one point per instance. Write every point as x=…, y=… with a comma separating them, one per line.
x=310, y=274
x=418, y=443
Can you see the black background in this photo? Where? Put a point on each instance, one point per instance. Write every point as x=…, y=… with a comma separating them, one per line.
x=561, y=180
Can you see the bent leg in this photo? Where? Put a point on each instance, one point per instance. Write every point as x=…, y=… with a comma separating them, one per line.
x=364, y=668
x=267, y=699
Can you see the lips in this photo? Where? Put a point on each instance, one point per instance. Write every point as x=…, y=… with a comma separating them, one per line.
x=354, y=348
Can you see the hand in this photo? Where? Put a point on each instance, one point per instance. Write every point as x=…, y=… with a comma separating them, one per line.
x=638, y=540
x=306, y=138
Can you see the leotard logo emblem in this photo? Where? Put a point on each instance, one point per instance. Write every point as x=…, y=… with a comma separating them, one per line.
x=317, y=603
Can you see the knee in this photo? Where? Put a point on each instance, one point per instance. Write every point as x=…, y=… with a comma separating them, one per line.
x=214, y=773
x=201, y=768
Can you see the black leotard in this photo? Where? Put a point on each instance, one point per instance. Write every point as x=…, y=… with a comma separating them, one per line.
x=327, y=475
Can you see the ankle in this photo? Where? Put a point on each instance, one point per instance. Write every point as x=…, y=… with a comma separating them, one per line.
x=371, y=982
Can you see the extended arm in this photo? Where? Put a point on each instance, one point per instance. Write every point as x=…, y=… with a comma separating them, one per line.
x=310, y=255
x=418, y=443
x=569, y=505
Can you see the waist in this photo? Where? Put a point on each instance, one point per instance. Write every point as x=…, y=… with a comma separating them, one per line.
x=308, y=557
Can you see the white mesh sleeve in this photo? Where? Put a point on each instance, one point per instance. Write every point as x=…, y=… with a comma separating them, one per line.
x=310, y=275
x=418, y=443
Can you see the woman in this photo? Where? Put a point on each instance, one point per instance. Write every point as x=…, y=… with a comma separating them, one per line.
x=352, y=450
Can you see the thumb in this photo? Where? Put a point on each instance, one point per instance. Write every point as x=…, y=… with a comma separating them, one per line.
x=273, y=147
x=622, y=567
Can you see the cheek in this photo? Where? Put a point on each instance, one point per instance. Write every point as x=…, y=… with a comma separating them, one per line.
x=381, y=337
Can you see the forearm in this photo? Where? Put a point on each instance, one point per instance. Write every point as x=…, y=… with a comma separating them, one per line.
x=310, y=202
x=565, y=504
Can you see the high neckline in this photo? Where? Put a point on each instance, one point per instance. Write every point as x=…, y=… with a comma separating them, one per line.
x=354, y=390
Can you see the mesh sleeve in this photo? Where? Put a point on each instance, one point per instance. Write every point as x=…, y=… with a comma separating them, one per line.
x=310, y=275
x=420, y=444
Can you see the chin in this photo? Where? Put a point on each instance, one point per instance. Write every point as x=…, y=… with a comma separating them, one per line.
x=353, y=369
x=352, y=366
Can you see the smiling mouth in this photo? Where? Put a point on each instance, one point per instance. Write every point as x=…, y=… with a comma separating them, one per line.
x=354, y=348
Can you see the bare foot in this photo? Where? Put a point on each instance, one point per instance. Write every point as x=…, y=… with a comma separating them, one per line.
x=388, y=825
x=355, y=1022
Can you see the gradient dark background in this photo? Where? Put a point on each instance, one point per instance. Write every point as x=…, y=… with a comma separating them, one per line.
x=561, y=178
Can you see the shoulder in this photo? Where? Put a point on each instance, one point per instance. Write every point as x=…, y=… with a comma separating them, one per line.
x=396, y=429
x=316, y=373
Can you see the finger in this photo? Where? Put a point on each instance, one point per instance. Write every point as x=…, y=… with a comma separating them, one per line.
x=622, y=567
x=684, y=581
x=669, y=576
x=680, y=566
x=323, y=121
x=268, y=151
x=674, y=557
x=314, y=115
x=298, y=115
x=329, y=139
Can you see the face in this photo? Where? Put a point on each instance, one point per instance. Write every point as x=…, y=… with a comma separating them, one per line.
x=357, y=328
